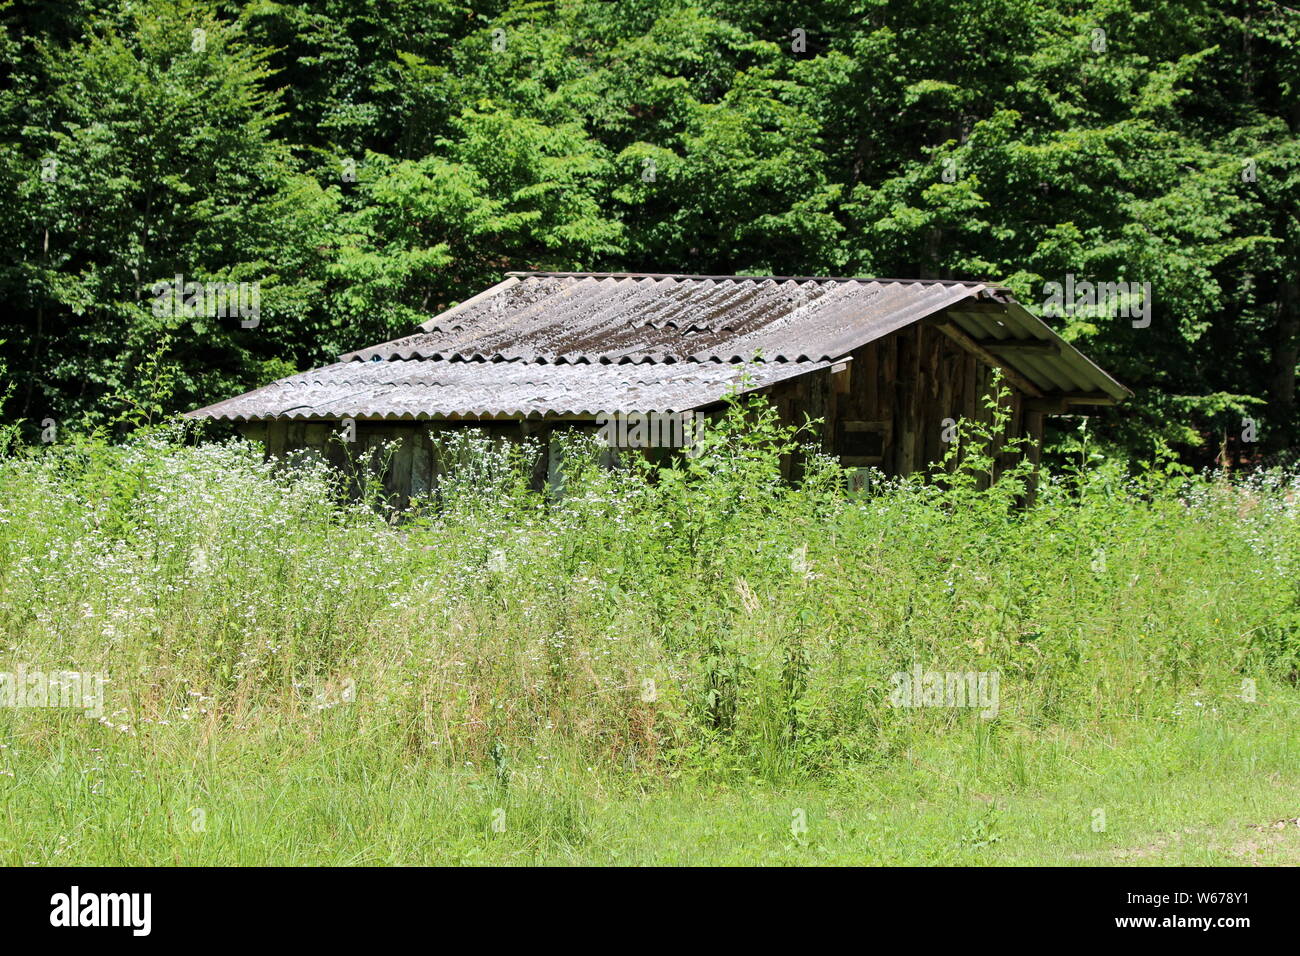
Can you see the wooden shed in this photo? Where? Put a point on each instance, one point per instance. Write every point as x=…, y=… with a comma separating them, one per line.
x=885, y=363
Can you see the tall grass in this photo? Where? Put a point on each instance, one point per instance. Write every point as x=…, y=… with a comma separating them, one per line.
x=703, y=619
x=768, y=617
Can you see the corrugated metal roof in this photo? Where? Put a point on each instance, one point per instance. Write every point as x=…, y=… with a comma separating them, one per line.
x=434, y=388
x=559, y=317
x=578, y=343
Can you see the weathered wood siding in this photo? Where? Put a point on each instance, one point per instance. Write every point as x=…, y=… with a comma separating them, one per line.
x=888, y=408
x=402, y=454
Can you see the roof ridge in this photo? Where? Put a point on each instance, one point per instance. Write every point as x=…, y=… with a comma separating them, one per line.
x=757, y=278
x=576, y=358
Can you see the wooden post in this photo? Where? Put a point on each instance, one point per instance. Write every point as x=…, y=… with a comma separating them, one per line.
x=1034, y=428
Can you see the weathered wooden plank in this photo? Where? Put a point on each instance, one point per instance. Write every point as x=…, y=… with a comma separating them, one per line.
x=968, y=343
x=421, y=463
x=952, y=361
x=871, y=381
x=1059, y=402
x=400, y=467
x=276, y=434
x=1034, y=429
x=970, y=386
x=254, y=431
x=906, y=393
x=296, y=437
x=842, y=378
x=1019, y=346
x=315, y=435
x=919, y=389
x=939, y=374
x=817, y=407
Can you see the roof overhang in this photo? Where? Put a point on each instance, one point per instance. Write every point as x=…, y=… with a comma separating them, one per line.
x=1054, y=374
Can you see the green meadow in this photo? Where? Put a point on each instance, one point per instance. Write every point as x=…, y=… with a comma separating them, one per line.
x=694, y=662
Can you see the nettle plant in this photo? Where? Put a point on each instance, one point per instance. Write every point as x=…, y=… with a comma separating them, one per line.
x=733, y=472
x=984, y=465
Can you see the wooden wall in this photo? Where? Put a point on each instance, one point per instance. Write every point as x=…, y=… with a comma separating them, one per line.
x=887, y=408
x=408, y=470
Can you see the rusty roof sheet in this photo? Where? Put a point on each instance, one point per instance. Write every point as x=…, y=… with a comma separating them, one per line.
x=435, y=388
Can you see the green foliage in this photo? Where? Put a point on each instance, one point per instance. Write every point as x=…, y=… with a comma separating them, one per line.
x=146, y=150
